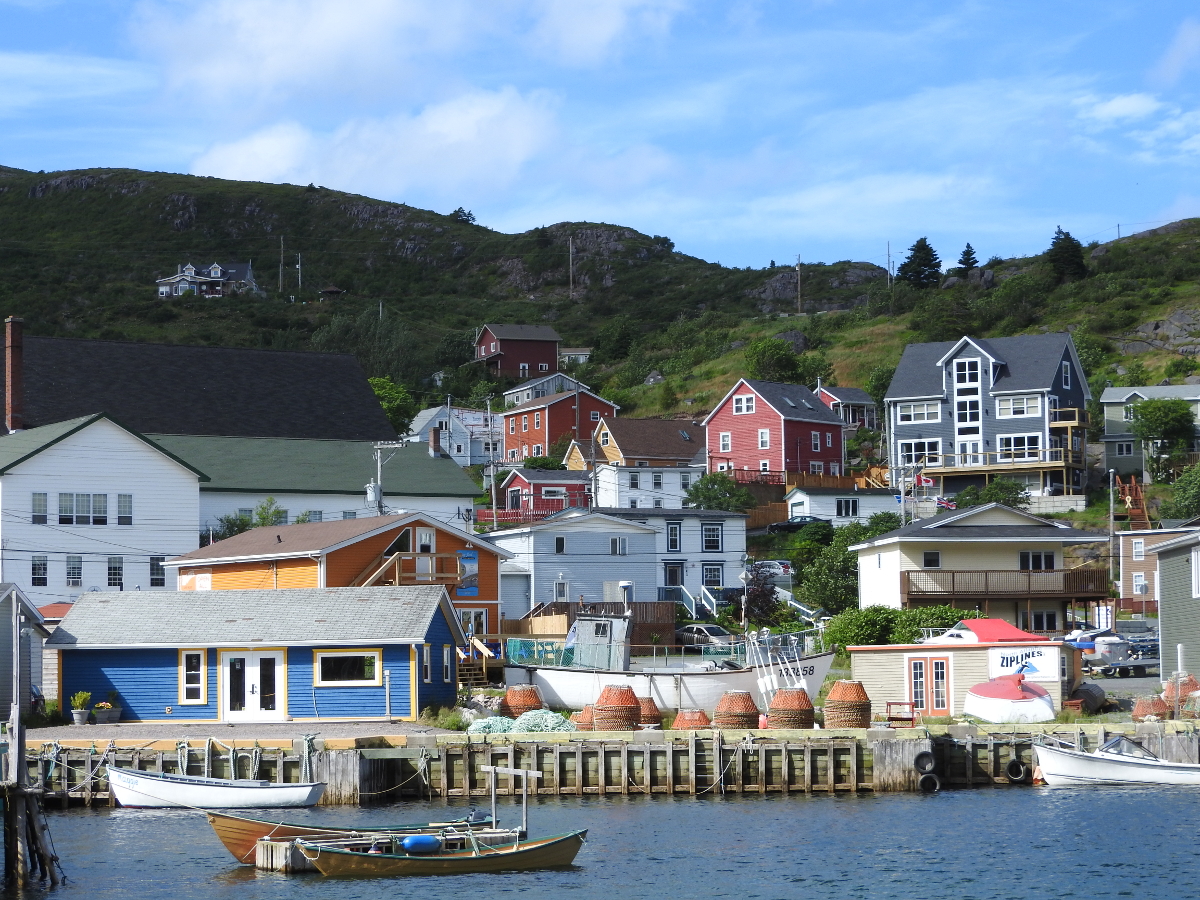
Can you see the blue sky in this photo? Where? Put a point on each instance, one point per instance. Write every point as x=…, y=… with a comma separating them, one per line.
x=746, y=131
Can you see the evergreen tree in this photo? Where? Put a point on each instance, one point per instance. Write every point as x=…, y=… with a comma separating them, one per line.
x=967, y=261
x=922, y=268
x=1066, y=256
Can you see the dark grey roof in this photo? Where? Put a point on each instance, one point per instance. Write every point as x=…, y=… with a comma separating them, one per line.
x=941, y=528
x=524, y=332
x=369, y=615
x=550, y=399
x=1151, y=392
x=171, y=389
x=550, y=476
x=795, y=402
x=1030, y=363
x=623, y=512
x=849, y=394
x=845, y=492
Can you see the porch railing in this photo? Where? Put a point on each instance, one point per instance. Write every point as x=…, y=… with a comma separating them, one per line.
x=1065, y=583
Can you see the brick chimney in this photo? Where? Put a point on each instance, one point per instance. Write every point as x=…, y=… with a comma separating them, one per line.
x=435, y=442
x=14, y=372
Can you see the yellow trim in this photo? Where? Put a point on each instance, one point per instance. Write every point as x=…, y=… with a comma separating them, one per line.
x=220, y=680
x=378, y=682
x=203, y=701
x=413, y=696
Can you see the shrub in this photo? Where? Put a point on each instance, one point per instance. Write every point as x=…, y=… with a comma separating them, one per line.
x=81, y=700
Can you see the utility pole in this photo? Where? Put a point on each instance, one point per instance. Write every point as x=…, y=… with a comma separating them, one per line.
x=571, y=268
x=491, y=432
x=281, y=265
x=1111, y=526
x=299, y=276
x=799, y=292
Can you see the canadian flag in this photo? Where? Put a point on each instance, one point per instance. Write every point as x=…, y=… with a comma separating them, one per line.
x=924, y=481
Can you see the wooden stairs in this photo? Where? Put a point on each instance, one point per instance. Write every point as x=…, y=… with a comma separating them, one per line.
x=1132, y=505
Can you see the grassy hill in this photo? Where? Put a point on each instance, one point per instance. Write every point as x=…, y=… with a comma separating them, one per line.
x=80, y=250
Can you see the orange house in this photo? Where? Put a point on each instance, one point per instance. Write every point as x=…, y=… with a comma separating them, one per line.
x=381, y=550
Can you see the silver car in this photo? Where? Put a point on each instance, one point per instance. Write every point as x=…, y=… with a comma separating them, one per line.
x=700, y=635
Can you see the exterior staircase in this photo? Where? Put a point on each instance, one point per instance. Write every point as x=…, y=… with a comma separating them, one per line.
x=471, y=675
x=1132, y=504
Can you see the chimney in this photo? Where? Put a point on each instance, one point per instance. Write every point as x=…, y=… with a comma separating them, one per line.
x=435, y=442
x=14, y=369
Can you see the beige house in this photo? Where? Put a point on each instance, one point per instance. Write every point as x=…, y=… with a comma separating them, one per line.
x=1138, y=580
x=1005, y=563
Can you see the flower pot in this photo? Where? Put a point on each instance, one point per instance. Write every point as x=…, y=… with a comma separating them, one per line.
x=114, y=714
x=101, y=715
x=80, y=716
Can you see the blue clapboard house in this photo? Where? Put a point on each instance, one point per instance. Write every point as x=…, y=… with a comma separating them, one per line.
x=263, y=656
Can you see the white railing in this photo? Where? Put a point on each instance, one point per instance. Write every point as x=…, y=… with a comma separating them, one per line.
x=708, y=600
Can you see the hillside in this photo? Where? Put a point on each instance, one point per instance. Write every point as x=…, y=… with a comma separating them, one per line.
x=80, y=250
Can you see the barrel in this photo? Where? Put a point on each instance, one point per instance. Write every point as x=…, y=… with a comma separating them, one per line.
x=650, y=713
x=790, y=708
x=583, y=719
x=616, y=709
x=691, y=720
x=736, y=709
x=521, y=698
x=847, y=706
x=1150, y=706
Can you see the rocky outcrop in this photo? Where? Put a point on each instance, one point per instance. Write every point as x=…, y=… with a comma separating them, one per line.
x=180, y=211
x=65, y=183
x=858, y=273
x=797, y=339
x=1179, y=332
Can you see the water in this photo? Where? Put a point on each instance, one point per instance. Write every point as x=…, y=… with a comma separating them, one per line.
x=1008, y=844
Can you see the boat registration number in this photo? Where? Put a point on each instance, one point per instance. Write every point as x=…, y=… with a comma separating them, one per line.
x=802, y=671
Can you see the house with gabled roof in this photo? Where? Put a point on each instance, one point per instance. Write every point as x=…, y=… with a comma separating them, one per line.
x=1006, y=563
x=396, y=550
x=650, y=442
x=1123, y=451
x=215, y=280
x=527, y=494
x=853, y=405
x=531, y=428
x=470, y=437
x=969, y=411
x=768, y=426
x=306, y=654
x=541, y=386
x=90, y=504
x=518, y=351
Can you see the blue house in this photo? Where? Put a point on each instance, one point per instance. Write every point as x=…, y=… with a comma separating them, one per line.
x=263, y=656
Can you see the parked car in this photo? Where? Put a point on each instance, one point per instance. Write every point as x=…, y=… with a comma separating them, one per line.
x=795, y=523
x=776, y=568
x=701, y=635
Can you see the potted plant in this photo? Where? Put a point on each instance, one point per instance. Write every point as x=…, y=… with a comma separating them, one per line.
x=79, y=707
x=115, y=699
x=101, y=711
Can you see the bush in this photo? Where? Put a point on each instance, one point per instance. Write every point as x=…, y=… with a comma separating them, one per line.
x=81, y=700
x=877, y=625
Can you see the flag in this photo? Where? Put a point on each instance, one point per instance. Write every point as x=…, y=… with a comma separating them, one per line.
x=943, y=503
x=899, y=499
x=924, y=481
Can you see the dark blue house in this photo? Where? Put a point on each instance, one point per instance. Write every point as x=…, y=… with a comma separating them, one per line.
x=263, y=656
x=966, y=412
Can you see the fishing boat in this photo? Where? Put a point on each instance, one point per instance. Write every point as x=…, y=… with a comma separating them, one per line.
x=570, y=674
x=428, y=854
x=1117, y=761
x=239, y=834
x=160, y=789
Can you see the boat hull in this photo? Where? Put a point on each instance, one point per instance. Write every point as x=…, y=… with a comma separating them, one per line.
x=154, y=790
x=1061, y=766
x=572, y=688
x=999, y=710
x=544, y=853
x=240, y=834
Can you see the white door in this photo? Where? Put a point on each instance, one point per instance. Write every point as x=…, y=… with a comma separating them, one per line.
x=252, y=686
x=426, y=543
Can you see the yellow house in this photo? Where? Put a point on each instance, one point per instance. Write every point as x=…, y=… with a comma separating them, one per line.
x=640, y=442
x=1002, y=562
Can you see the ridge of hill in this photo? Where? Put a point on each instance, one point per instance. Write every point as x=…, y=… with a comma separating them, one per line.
x=80, y=251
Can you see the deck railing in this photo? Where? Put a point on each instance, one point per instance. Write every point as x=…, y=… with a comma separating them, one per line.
x=1065, y=583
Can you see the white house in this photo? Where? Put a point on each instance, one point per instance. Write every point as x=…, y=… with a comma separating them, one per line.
x=89, y=504
x=647, y=487
x=542, y=386
x=470, y=437
x=840, y=505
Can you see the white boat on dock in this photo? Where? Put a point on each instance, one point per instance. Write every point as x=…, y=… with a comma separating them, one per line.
x=1118, y=761
x=160, y=789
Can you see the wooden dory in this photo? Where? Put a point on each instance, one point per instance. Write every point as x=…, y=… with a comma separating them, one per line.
x=240, y=834
x=159, y=789
x=344, y=859
x=1119, y=761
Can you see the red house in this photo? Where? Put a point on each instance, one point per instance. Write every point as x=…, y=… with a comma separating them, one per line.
x=522, y=351
x=765, y=426
x=541, y=490
x=531, y=427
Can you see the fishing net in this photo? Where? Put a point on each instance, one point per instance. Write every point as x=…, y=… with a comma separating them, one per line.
x=542, y=720
x=490, y=725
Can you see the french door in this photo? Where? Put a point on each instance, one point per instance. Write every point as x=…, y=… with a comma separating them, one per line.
x=252, y=686
x=929, y=684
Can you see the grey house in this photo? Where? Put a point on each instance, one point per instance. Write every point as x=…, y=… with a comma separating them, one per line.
x=1178, y=593
x=1123, y=451
x=968, y=411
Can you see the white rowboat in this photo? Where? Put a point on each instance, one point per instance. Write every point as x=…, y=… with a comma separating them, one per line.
x=1118, y=761
x=159, y=789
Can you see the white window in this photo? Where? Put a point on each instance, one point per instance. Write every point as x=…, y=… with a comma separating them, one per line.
x=524, y=423
x=658, y=504
x=966, y=371
x=74, y=571
x=524, y=370
x=967, y=411
x=921, y=453
x=816, y=441
x=595, y=416
x=554, y=493
x=604, y=439
x=1139, y=583
x=116, y=572
x=537, y=449
x=537, y=420
x=38, y=509
x=493, y=350
x=685, y=480
x=193, y=677
x=711, y=537
x=835, y=469
x=39, y=570
x=743, y=405
x=726, y=442
x=764, y=465
x=657, y=480
x=1139, y=549
x=713, y=576
x=764, y=439
x=1066, y=374
x=674, y=537
x=560, y=591
x=1036, y=561
x=1014, y=407
x=847, y=507
x=931, y=559
x=447, y=662
x=816, y=467
x=349, y=514
x=1124, y=448
x=920, y=412
x=426, y=664
x=543, y=367
x=618, y=546
x=635, y=480
x=633, y=504
x=315, y=515
x=1020, y=446
x=829, y=439
x=512, y=425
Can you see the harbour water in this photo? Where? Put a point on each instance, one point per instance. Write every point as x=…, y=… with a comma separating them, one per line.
x=1007, y=844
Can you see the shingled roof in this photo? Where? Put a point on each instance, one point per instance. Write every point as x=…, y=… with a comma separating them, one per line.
x=791, y=401
x=524, y=332
x=656, y=438
x=297, y=617
x=174, y=389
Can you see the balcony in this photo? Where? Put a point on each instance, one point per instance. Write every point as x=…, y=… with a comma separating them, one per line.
x=411, y=568
x=1069, y=416
x=942, y=585
x=1051, y=457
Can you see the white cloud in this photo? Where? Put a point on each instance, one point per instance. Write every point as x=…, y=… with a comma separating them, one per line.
x=1122, y=107
x=37, y=79
x=1183, y=54
x=584, y=33
x=472, y=146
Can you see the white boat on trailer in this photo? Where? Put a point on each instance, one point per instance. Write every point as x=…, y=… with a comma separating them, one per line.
x=160, y=789
x=571, y=674
x=1117, y=761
